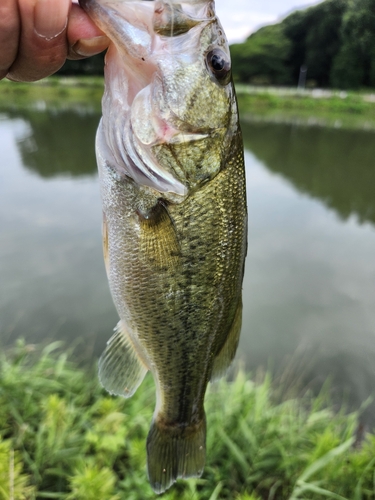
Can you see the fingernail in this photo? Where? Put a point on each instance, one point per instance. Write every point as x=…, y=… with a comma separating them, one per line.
x=50, y=18
x=87, y=47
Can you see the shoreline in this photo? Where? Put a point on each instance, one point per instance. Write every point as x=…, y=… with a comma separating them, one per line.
x=316, y=107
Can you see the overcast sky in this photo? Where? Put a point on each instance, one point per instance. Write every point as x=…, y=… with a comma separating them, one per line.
x=242, y=17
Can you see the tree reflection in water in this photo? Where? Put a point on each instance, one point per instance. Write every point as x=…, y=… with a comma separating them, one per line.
x=336, y=166
x=59, y=142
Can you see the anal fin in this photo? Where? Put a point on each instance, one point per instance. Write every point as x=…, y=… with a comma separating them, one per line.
x=121, y=371
x=228, y=351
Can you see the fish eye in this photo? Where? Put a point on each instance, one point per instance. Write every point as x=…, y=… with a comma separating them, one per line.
x=219, y=65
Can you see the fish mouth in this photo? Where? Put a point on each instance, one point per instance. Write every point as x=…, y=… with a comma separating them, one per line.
x=141, y=32
x=141, y=29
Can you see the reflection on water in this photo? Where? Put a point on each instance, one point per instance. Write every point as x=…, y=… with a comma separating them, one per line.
x=51, y=137
x=336, y=166
x=309, y=283
x=309, y=302
x=51, y=264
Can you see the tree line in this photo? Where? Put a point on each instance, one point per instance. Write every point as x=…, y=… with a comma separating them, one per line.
x=332, y=44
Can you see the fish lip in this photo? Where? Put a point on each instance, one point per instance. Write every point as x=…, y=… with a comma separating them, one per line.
x=88, y=5
x=103, y=10
x=123, y=29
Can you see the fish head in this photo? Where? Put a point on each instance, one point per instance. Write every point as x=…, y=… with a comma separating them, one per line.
x=169, y=108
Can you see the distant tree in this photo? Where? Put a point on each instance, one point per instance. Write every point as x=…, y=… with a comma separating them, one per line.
x=334, y=40
x=354, y=65
x=315, y=36
x=263, y=57
x=295, y=28
x=312, y=38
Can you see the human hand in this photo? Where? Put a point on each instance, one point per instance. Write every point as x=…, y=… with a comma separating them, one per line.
x=37, y=36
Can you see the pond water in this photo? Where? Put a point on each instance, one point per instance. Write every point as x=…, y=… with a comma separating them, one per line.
x=309, y=301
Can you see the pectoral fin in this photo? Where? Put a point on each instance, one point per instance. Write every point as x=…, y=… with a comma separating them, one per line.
x=228, y=351
x=121, y=370
x=159, y=242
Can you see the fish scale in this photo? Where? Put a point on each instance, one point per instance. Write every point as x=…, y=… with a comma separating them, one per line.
x=175, y=220
x=176, y=309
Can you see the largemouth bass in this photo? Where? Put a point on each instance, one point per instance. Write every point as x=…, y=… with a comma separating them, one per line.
x=171, y=167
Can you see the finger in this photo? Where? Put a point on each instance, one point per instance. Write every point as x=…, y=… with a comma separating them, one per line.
x=9, y=34
x=84, y=38
x=42, y=44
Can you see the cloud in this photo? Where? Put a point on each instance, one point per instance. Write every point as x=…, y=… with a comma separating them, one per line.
x=238, y=27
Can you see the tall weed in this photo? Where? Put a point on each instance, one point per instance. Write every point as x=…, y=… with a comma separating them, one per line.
x=62, y=436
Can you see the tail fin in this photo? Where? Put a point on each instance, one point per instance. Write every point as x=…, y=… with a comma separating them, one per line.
x=175, y=452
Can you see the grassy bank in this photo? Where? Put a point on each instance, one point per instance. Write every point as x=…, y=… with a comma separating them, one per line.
x=311, y=107
x=53, y=92
x=63, y=437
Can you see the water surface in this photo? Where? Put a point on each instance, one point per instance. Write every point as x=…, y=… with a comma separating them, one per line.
x=309, y=301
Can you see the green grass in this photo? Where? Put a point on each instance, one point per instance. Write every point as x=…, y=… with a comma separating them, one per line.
x=63, y=437
x=339, y=109
x=54, y=92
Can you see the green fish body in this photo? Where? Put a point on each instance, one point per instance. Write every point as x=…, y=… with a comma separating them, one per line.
x=171, y=169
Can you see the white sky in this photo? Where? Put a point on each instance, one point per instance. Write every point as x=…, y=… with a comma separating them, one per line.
x=242, y=17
